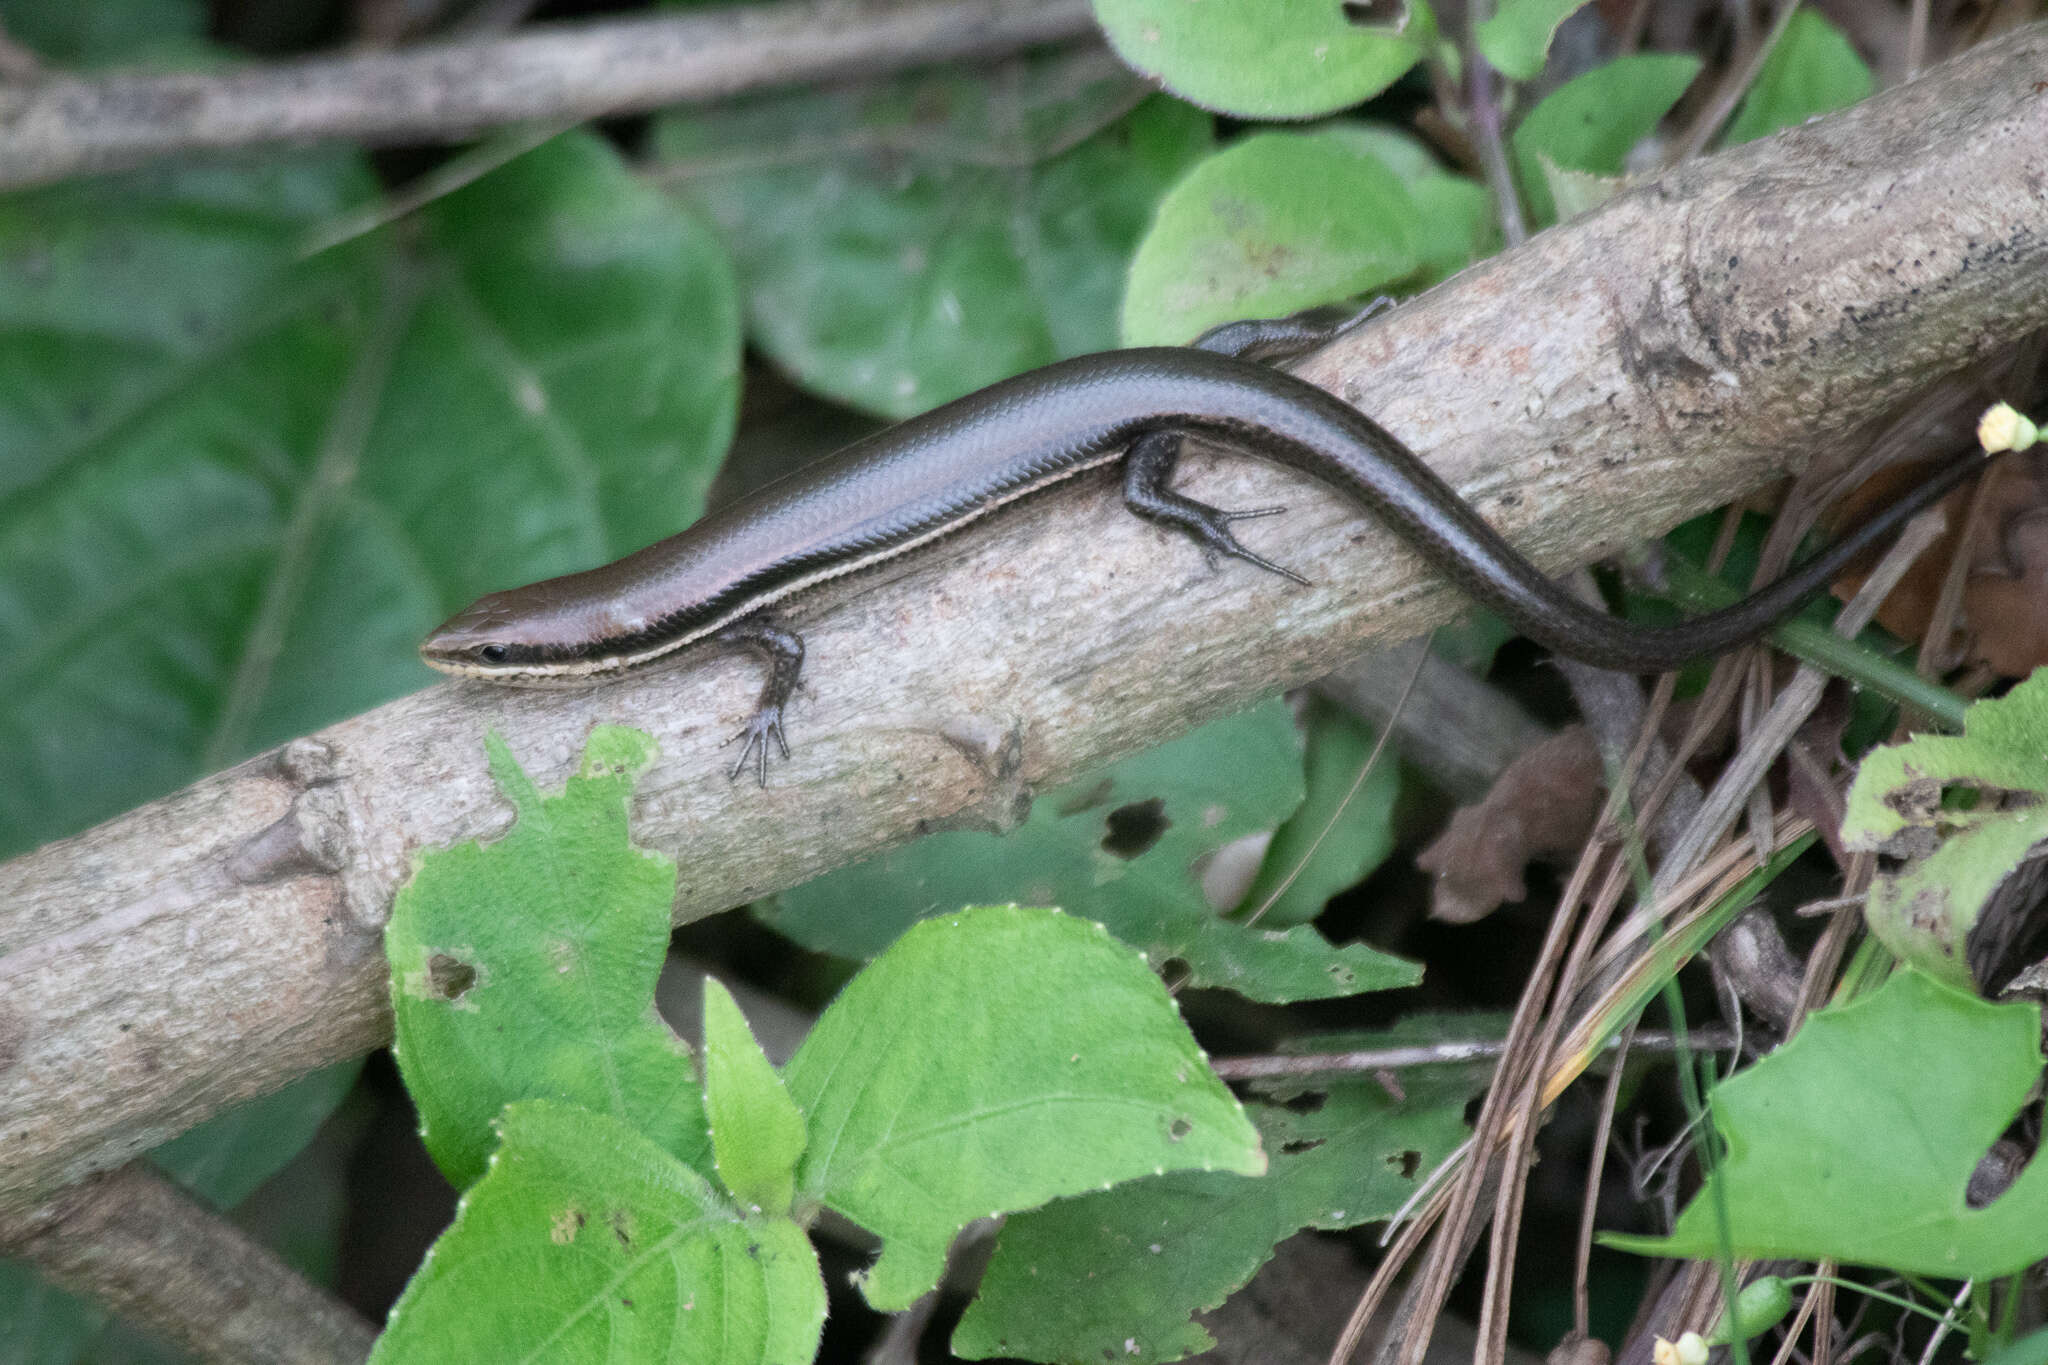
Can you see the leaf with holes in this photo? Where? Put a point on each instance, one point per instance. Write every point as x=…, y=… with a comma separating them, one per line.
x=988, y=1062
x=1856, y=1140
x=1126, y=846
x=526, y=967
x=1966, y=810
x=585, y=1242
x=239, y=485
x=908, y=241
x=1118, y=1274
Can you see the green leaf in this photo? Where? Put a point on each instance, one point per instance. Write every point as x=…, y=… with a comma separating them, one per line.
x=1924, y=911
x=1855, y=1141
x=989, y=1062
x=1116, y=1275
x=1458, y=226
x=1517, y=38
x=756, y=1132
x=1454, y=223
x=2028, y=1350
x=1272, y=224
x=526, y=967
x=1125, y=846
x=236, y=488
x=1313, y=858
x=1812, y=69
x=1762, y=1305
x=1590, y=123
x=156, y=345
x=224, y=1159
x=583, y=340
x=1266, y=59
x=79, y=33
x=1473, y=640
x=40, y=1324
x=1575, y=192
x=942, y=231
x=585, y=1241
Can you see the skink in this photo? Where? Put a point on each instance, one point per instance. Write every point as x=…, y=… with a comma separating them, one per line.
x=905, y=487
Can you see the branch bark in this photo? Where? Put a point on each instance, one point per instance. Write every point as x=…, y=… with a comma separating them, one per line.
x=1679, y=347
x=560, y=73
x=140, y=1246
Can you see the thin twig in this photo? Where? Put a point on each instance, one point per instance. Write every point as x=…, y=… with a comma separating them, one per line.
x=1947, y=1323
x=1793, y=705
x=1916, y=38
x=1733, y=87
x=1456, y=1229
x=1589, y=1203
x=1936, y=651
x=458, y=171
x=1488, y=139
x=1365, y=770
x=552, y=74
x=1268, y=1066
x=1797, y=1325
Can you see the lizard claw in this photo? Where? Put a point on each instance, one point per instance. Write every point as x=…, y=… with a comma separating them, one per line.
x=764, y=725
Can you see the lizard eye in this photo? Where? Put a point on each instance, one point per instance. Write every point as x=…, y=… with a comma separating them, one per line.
x=491, y=654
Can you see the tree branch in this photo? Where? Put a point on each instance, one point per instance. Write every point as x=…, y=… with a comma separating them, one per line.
x=140, y=1246
x=560, y=73
x=1673, y=350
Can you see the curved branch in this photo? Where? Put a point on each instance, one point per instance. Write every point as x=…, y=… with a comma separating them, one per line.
x=1660, y=356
